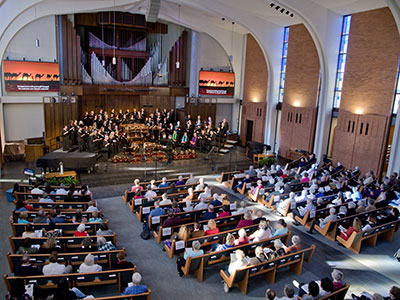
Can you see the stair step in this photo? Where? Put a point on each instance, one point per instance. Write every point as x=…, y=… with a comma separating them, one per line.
x=228, y=146
x=222, y=150
x=233, y=142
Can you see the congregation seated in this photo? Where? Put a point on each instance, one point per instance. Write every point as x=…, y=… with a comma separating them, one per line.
x=193, y=252
x=29, y=231
x=88, y=265
x=26, y=268
x=243, y=239
x=136, y=287
x=87, y=245
x=54, y=268
x=394, y=294
x=172, y=220
x=122, y=263
x=26, y=247
x=212, y=227
x=49, y=246
x=229, y=243
x=197, y=231
x=282, y=228
x=104, y=245
x=104, y=230
x=81, y=230
x=247, y=220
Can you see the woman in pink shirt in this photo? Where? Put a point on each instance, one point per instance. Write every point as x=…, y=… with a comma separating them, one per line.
x=243, y=238
x=247, y=221
x=225, y=212
x=137, y=186
x=305, y=178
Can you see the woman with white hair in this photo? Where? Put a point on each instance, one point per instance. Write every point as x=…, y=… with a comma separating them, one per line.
x=180, y=181
x=88, y=265
x=247, y=220
x=201, y=184
x=295, y=245
x=193, y=252
x=243, y=238
x=279, y=250
x=80, y=231
x=337, y=277
x=322, y=222
x=259, y=258
x=136, y=288
x=283, y=204
x=263, y=232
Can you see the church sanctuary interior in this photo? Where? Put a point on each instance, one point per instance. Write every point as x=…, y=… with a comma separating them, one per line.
x=200, y=149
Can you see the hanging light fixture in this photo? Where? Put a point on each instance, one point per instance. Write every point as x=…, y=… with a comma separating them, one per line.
x=178, y=64
x=114, y=59
x=231, y=56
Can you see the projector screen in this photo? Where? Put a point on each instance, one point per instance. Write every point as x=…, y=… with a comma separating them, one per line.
x=216, y=83
x=28, y=76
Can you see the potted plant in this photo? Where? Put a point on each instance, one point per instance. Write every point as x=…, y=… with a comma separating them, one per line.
x=267, y=161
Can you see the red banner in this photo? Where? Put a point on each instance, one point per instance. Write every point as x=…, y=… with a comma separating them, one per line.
x=216, y=83
x=27, y=76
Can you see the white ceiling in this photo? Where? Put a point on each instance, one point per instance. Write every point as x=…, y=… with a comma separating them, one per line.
x=345, y=7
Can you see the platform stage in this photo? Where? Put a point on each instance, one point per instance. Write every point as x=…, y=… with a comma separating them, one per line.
x=71, y=160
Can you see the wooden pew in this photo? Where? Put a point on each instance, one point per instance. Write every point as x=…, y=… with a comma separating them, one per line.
x=134, y=205
x=370, y=237
x=331, y=228
x=205, y=240
x=128, y=195
x=144, y=296
x=118, y=277
x=186, y=217
x=165, y=233
x=225, y=176
x=67, y=244
x=67, y=214
x=220, y=256
x=67, y=228
x=105, y=258
x=340, y=294
x=56, y=198
x=268, y=268
x=63, y=205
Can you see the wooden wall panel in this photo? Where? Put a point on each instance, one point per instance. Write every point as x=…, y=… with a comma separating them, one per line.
x=286, y=128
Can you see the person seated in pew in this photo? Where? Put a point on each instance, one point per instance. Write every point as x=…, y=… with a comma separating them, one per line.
x=258, y=216
x=197, y=231
x=247, y=179
x=216, y=200
x=282, y=228
x=210, y=214
x=356, y=227
x=79, y=218
x=206, y=194
x=172, y=189
x=193, y=252
x=243, y=208
x=157, y=211
x=172, y=220
x=190, y=194
x=301, y=211
x=270, y=294
x=136, y=186
x=180, y=181
x=263, y=232
x=26, y=268
x=182, y=235
x=63, y=292
x=52, y=231
x=17, y=291
x=188, y=205
x=36, y=190
x=251, y=171
x=295, y=245
x=46, y=199
x=342, y=212
x=282, y=205
x=41, y=217
x=238, y=261
x=49, y=246
x=122, y=263
x=20, y=205
x=337, y=277
x=58, y=218
x=279, y=250
x=80, y=230
x=87, y=245
x=165, y=200
x=351, y=209
x=175, y=208
x=394, y=294
x=104, y=245
x=104, y=230
x=247, y=220
x=255, y=190
x=29, y=231
x=138, y=195
x=370, y=205
x=388, y=217
x=259, y=256
x=150, y=193
x=61, y=190
x=360, y=206
x=212, y=227
x=322, y=222
x=229, y=243
x=288, y=293
x=22, y=218
x=55, y=268
x=88, y=265
x=136, y=288
x=225, y=212
x=95, y=218
x=26, y=247
x=316, y=289
x=371, y=223
x=202, y=204
x=163, y=183
x=243, y=239
x=92, y=206
x=191, y=179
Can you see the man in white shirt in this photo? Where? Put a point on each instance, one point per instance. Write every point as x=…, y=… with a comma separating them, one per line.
x=61, y=190
x=54, y=268
x=200, y=186
x=165, y=199
x=206, y=194
x=322, y=222
x=150, y=194
x=202, y=205
x=189, y=206
x=301, y=211
x=45, y=199
x=36, y=190
x=191, y=180
x=91, y=207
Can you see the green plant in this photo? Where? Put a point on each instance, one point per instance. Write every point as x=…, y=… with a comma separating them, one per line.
x=56, y=181
x=267, y=161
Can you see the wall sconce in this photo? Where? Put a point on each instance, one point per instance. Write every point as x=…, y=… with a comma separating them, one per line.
x=37, y=43
x=296, y=103
x=359, y=111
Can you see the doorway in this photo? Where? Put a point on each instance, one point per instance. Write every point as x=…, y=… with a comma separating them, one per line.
x=249, y=131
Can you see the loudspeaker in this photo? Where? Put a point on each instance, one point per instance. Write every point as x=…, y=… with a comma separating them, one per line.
x=152, y=11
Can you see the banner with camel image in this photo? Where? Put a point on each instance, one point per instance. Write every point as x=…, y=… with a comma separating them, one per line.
x=29, y=76
x=216, y=83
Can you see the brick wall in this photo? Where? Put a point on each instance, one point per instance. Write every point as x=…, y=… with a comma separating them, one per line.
x=368, y=89
x=301, y=92
x=254, y=91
